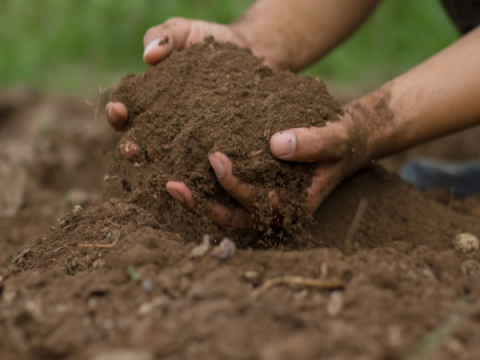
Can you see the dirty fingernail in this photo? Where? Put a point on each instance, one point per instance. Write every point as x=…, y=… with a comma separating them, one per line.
x=217, y=165
x=151, y=45
x=284, y=144
x=176, y=195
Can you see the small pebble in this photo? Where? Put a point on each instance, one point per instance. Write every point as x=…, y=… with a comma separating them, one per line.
x=250, y=275
x=466, y=243
x=224, y=250
x=76, y=210
x=148, y=285
x=202, y=249
x=130, y=150
x=335, y=304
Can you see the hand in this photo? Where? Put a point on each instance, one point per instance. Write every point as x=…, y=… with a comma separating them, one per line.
x=336, y=150
x=174, y=34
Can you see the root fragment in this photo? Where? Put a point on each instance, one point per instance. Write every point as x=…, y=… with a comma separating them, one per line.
x=97, y=104
x=329, y=284
x=22, y=254
x=97, y=245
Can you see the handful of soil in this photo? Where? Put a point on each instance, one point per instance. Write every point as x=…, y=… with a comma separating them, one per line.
x=219, y=97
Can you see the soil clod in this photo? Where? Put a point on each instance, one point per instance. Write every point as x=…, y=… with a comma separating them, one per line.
x=219, y=97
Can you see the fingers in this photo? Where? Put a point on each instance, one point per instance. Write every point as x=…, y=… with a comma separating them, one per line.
x=326, y=178
x=161, y=39
x=220, y=215
x=117, y=115
x=237, y=219
x=328, y=143
x=241, y=191
x=184, y=196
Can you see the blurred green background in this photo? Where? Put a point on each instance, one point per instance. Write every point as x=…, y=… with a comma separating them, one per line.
x=73, y=46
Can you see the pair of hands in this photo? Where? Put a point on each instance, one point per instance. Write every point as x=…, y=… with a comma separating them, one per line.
x=331, y=148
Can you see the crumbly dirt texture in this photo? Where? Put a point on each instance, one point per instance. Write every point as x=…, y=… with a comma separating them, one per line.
x=114, y=281
x=219, y=97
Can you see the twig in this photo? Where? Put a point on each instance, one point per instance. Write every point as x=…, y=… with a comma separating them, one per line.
x=354, y=225
x=297, y=280
x=22, y=254
x=61, y=247
x=97, y=245
x=111, y=222
x=97, y=104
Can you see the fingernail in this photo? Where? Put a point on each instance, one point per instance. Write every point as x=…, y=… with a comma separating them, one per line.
x=217, y=165
x=112, y=113
x=151, y=45
x=176, y=195
x=284, y=144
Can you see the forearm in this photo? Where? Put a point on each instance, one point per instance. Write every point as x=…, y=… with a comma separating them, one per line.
x=292, y=34
x=436, y=98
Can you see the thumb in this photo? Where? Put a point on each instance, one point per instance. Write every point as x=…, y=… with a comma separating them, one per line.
x=328, y=143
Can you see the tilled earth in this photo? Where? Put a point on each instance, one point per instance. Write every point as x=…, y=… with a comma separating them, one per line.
x=111, y=281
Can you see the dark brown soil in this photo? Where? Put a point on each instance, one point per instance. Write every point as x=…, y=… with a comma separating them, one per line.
x=113, y=281
x=218, y=97
x=144, y=296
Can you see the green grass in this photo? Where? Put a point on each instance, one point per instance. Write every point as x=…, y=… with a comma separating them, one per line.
x=76, y=45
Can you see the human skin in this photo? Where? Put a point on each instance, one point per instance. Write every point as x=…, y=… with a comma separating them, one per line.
x=435, y=98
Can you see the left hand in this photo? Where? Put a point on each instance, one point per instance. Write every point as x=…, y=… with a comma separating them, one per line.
x=336, y=150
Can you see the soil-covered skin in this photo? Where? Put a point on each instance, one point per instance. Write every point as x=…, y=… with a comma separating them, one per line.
x=219, y=97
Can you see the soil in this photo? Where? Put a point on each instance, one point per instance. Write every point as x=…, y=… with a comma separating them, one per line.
x=219, y=97
x=112, y=280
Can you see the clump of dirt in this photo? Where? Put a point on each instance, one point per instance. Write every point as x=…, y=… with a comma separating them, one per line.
x=219, y=97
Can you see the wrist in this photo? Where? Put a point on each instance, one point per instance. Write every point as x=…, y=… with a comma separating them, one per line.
x=360, y=143
x=247, y=35
x=376, y=123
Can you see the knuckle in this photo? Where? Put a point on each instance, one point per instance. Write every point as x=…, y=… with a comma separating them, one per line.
x=153, y=31
x=175, y=20
x=230, y=184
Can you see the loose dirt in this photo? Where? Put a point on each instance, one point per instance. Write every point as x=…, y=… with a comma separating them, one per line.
x=219, y=97
x=113, y=280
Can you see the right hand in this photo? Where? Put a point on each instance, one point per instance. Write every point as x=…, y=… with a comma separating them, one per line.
x=181, y=34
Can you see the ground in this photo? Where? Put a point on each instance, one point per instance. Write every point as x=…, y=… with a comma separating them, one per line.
x=110, y=281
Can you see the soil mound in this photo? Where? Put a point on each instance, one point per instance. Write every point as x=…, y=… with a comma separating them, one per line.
x=145, y=297
x=113, y=281
x=219, y=97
